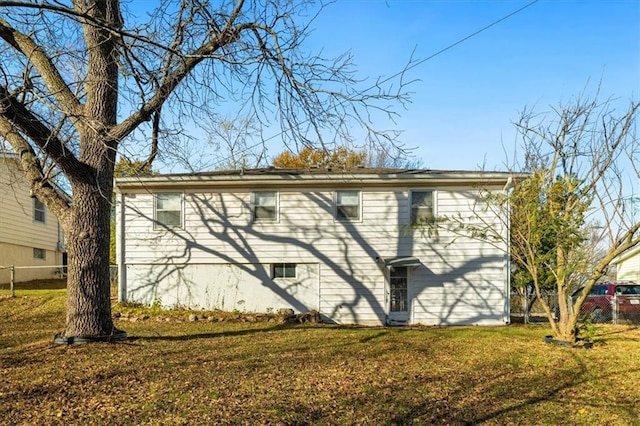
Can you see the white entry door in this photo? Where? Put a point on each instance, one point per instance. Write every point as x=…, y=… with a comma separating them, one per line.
x=398, y=296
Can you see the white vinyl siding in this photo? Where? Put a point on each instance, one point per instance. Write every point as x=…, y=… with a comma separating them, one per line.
x=628, y=268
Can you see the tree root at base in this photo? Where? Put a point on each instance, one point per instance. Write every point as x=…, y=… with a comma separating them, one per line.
x=115, y=336
x=576, y=345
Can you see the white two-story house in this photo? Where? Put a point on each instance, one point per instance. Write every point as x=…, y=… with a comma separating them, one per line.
x=363, y=246
x=31, y=239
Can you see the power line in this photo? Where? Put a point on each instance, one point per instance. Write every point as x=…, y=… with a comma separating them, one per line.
x=462, y=40
x=409, y=67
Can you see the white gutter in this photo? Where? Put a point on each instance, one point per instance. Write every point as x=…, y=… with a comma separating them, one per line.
x=507, y=189
x=283, y=179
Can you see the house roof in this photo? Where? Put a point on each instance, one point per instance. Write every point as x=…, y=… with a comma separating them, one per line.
x=275, y=171
x=316, y=176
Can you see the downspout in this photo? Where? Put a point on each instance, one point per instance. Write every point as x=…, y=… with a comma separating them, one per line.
x=120, y=250
x=507, y=189
x=58, y=256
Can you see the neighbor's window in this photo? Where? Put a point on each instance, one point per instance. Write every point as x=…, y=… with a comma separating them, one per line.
x=283, y=270
x=39, y=253
x=265, y=205
x=347, y=205
x=38, y=211
x=168, y=209
x=422, y=207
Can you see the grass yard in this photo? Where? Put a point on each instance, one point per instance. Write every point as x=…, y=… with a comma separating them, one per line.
x=174, y=372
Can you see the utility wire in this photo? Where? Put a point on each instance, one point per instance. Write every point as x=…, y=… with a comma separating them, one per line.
x=462, y=40
x=411, y=66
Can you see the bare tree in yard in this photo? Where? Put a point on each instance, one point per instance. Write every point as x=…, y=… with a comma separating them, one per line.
x=567, y=216
x=583, y=160
x=78, y=79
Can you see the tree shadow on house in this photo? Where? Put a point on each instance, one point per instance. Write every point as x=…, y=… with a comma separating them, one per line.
x=223, y=259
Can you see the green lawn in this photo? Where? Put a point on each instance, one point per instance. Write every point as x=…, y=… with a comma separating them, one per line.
x=180, y=372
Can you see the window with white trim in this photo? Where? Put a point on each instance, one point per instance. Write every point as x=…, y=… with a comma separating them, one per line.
x=168, y=210
x=264, y=206
x=39, y=253
x=39, y=214
x=347, y=205
x=422, y=207
x=283, y=270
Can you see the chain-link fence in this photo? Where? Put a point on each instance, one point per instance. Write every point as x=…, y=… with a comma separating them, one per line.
x=528, y=308
x=13, y=277
x=29, y=277
x=615, y=309
x=113, y=280
x=626, y=309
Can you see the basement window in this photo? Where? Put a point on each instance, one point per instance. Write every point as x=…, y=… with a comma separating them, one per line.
x=39, y=253
x=283, y=270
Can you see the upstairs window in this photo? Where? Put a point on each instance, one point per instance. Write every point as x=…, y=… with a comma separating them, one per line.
x=422, y=207
x=283, y=270
x=38, y=211
x=265, y=206
x=347, y=205
x=168, y=210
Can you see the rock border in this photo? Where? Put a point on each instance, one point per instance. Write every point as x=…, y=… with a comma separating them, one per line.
x=287, y=316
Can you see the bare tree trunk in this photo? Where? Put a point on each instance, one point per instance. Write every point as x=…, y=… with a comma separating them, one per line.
x=87, y=230
x=88, y=294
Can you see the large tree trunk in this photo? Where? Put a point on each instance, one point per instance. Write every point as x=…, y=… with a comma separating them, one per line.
x=88, y=285
x=87, y=229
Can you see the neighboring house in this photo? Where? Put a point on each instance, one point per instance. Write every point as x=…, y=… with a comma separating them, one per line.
x=30, y=235
x=628, y=265
x=340, y=242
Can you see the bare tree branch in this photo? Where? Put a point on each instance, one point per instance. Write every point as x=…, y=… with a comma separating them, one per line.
x=32, y=167
x=19, y=116
x=56, y=84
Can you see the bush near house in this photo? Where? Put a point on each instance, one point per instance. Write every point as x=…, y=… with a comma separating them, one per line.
x=197, y=372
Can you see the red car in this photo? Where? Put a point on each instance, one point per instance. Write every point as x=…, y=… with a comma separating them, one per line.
x=611, y=301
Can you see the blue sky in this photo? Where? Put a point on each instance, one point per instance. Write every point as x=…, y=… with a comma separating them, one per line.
x=466, y=98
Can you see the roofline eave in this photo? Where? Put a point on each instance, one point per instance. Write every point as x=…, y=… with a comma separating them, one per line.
x=243, y=180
